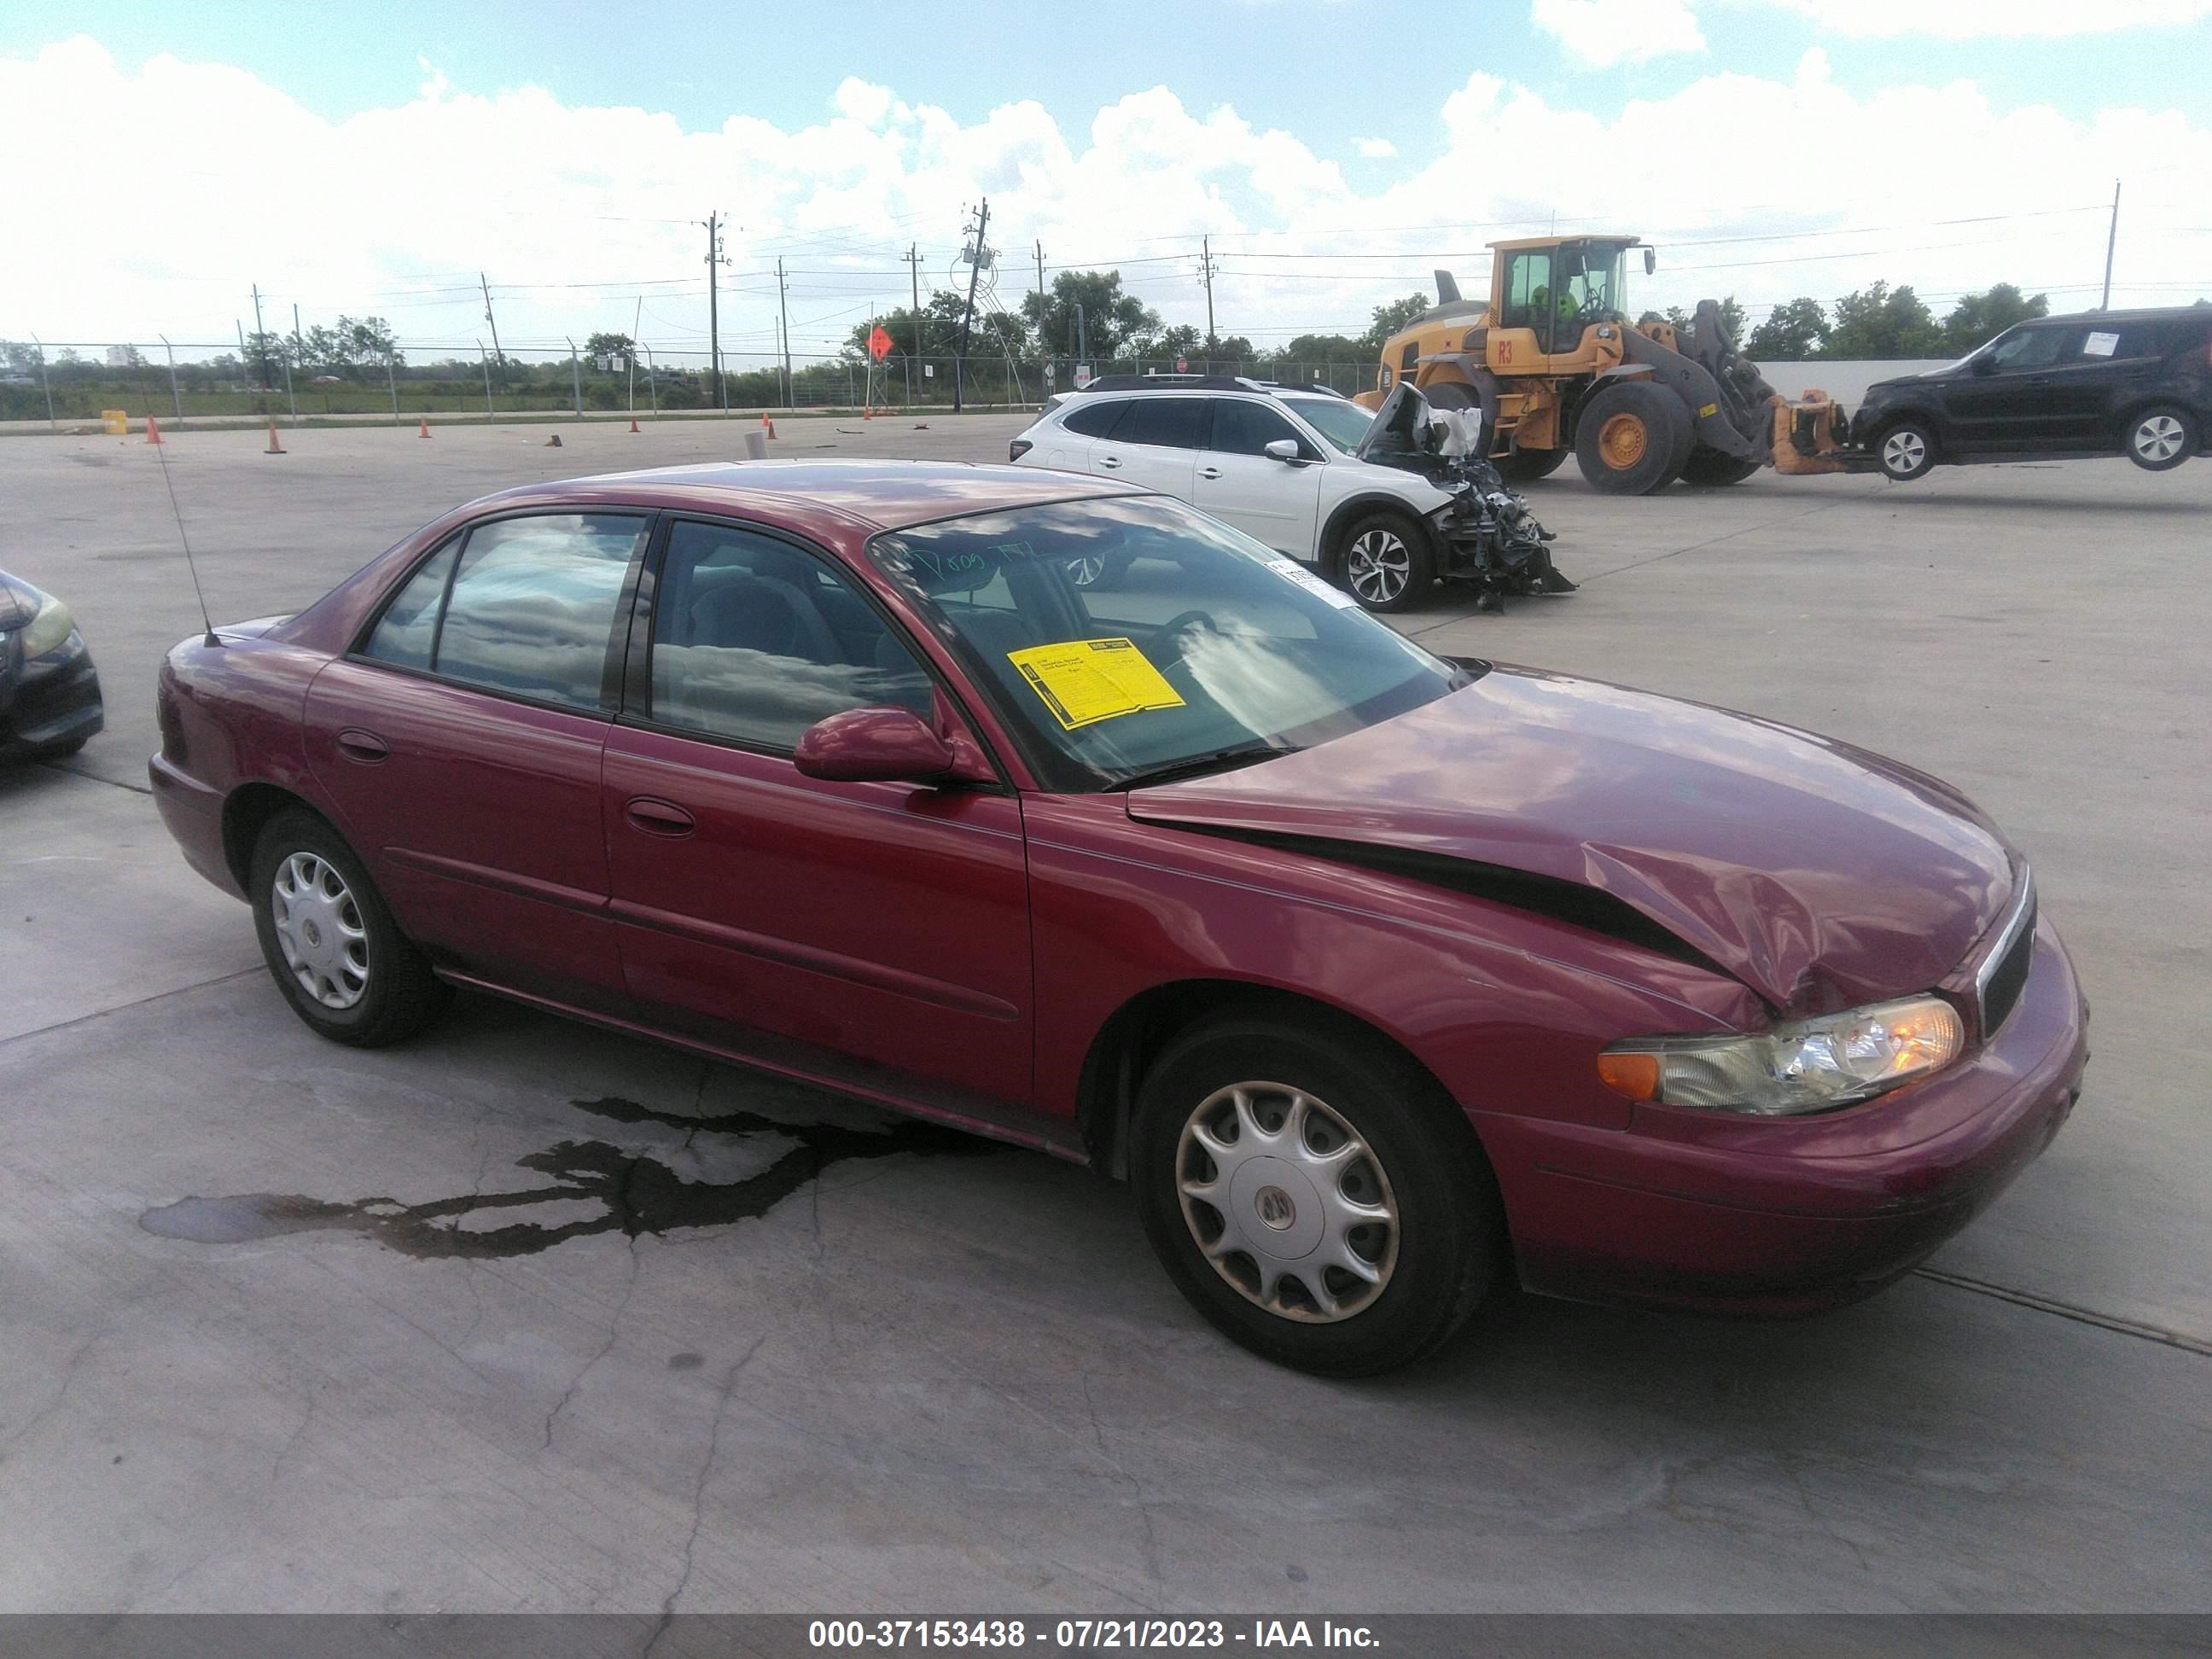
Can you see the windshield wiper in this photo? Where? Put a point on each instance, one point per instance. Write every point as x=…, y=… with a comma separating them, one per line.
x=1219, y=760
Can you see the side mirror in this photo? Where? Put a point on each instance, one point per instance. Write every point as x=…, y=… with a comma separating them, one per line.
x=1650, y=260
x=1984, y=366
x=1284, y=449
x=873, y=745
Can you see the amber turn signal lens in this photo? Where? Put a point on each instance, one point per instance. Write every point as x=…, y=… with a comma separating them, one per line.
x=1636, y=1076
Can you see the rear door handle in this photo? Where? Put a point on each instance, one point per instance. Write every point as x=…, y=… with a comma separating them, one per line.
x=656, y=817
x=366, y=747
x=1109, y=462
x=1209, y=472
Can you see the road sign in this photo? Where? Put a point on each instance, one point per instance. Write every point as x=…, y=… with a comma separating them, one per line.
x=1182, y=365
x=1082, y=376
x=879, y=344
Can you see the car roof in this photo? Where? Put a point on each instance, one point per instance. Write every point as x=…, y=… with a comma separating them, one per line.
x=2202, y=313
x=875, y=495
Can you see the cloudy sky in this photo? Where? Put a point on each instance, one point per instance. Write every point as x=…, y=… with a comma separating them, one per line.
x=159, y=158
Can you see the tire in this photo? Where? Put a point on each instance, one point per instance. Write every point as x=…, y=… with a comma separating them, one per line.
x=1526, y=466
x=1633, y=438
x=371, y=985
x=1427, y=1265
x=2159, y=440
x=1709, y=469
x=1906, y=450
x=1383, y=558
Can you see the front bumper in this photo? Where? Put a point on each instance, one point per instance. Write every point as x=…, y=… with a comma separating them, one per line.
x=49, y=704
x=1791, y=1216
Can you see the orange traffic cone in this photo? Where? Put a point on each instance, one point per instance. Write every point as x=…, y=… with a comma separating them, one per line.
x=633, y=423
x=275, y=448
x=867, y=414
x=767, y=425
x=425, y=432
x=153, y=431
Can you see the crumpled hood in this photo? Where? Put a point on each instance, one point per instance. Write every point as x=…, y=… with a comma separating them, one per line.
x=1820, y=875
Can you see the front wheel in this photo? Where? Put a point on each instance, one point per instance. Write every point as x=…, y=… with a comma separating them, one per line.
x=1385, y=560
x=1907, y=451
x=1633, y=438
x=1313, y=1195
x=2160, y=439
x=333, y=949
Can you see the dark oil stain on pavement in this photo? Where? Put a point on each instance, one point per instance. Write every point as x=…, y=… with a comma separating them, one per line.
x=638, y=1193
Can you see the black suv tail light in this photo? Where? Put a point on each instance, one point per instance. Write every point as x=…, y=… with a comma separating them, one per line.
x=1019, y=447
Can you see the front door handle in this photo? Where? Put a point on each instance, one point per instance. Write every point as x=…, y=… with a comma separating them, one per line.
x=1209, y=472
x=1111, y=463
x=366, y=747
x=656, y=817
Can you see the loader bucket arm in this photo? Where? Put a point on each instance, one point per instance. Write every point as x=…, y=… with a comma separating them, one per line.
x=1728, y=398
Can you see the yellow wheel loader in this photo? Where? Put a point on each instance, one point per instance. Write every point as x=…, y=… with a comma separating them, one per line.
x=1554, y=364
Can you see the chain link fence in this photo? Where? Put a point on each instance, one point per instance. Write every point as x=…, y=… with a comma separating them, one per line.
x=73, y=383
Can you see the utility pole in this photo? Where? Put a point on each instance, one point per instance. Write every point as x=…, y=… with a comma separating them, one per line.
x=486, y=284
x=299, y=349
x=968, y=313
x=714, y=223
x=783, y=315
x=912, y=258
x=1206, y=270
x=261, y=338
x=2111, y=239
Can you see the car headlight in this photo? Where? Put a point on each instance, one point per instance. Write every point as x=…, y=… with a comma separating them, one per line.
x=49, y=626
x=1809, y=1065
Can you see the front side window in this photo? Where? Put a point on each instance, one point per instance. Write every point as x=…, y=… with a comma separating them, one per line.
x=2029, y=348
x=1339, y=419
x=1247, y=428
x=532, y=607
x=1211, y=650
x=755, y=640
x=1528, y=289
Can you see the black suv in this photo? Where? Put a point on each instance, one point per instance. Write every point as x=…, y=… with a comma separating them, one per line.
x=2133, y=383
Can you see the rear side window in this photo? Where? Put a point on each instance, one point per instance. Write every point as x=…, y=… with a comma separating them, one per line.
x=1243, y=428
x=2149, y=339
x=1095, y=419
x=1171, y=422
x=408, y=633
x=532, y=606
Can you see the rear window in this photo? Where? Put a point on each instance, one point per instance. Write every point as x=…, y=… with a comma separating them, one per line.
x=1095, y=419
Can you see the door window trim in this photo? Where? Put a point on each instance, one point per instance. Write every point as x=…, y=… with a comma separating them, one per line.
x=635, y=675
x=356, y=650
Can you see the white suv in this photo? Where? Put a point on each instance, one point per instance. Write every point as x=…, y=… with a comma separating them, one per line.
x=1280, y=464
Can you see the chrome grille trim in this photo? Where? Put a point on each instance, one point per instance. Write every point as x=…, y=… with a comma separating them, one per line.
x=2020, y=917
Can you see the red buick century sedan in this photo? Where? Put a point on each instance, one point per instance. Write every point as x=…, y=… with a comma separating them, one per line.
x=1378, y=976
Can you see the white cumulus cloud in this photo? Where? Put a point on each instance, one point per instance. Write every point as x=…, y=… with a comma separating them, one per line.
x=1374, y=149
x=1603, y=33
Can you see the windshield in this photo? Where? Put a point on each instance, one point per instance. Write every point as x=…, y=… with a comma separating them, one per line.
x=1122, y=637
x=1342, y=422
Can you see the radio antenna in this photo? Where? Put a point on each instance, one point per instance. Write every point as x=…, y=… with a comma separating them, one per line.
x=162, y=452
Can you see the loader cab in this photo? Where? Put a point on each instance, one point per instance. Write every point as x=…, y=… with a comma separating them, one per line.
x=1557, y=291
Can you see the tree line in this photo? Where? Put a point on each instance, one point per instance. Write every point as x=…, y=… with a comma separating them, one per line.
x=1880, y=322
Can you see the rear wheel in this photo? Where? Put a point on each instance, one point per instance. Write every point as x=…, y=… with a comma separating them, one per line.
x=2160, y=440
x=1907, y=451
x=332, y=947
x=1710, y=469
x=1314, y=1195
x=1385, y=559
x=1526, y=466
x=1633, y=438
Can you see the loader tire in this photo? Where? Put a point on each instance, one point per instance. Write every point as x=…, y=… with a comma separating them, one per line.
x=1633, y=438
x=1709, y=470
x=1526, y=466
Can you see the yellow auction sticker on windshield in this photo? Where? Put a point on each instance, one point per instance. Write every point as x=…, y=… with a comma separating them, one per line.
x=1085, y=681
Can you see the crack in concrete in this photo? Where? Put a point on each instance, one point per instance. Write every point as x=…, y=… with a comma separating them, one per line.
x=699, y=1496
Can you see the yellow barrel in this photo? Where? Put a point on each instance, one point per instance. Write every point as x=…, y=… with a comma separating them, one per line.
x=114, y=422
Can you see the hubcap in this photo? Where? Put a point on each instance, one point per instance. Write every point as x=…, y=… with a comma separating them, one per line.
x=320, y=931
x=1620, y=440
x=2158, y=439
x=1904, y=452
x=1379, y=566
x=1087, y=569
x=1287, y=1201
